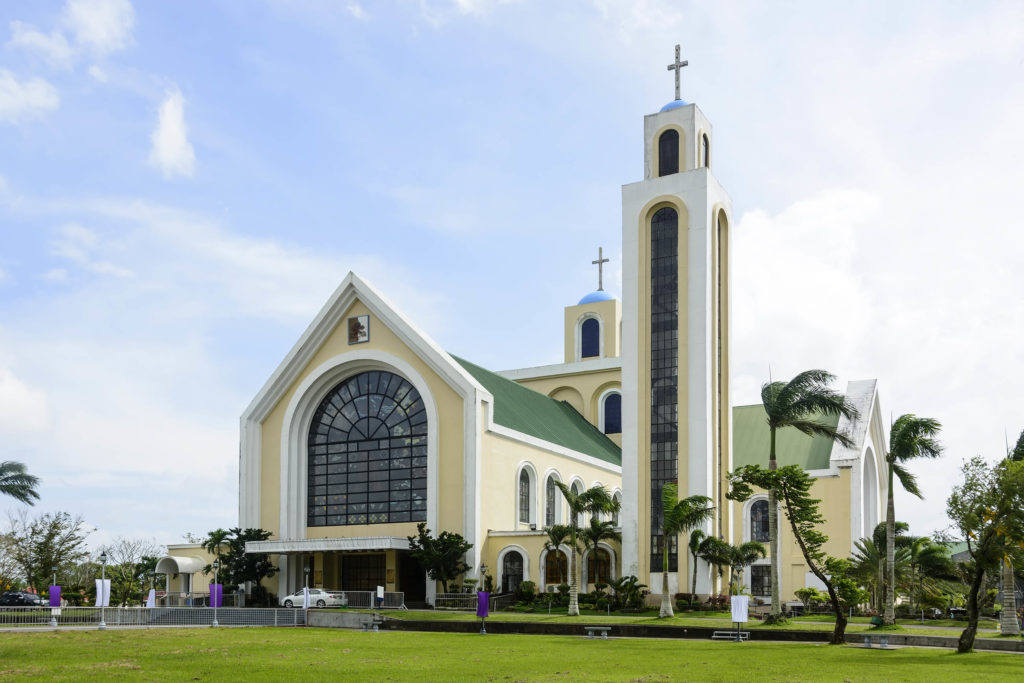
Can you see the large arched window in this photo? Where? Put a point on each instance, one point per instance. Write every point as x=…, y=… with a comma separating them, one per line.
x=511, y=571
x=590, y=338
x=613, y=414
x=556, y=568
x=759, y=521
x=668, y=153
x=599, y=566
x=550, y=502
x=368, y=453
x=524, y=496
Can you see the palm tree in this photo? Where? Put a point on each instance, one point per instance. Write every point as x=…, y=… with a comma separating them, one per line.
x=593, y=501
x=16, y=482
x=677, y=517
x=697, y=537
x=558, y=534
x=595, y=534
x=212, y=544
x=795, y=404
x=740, y=557
x=910, y=437
x=869, y=560
x=929, y=565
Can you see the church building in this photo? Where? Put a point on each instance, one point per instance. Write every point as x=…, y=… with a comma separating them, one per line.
x=368, y=427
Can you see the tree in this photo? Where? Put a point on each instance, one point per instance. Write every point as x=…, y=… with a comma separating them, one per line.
x=558, y=535
x=910, y=437
x=238, y=567
x=41, y=543
x=928, y=566
x=213, y=542
x=593, y=501
x=740, y=557
x=598, y=531
x=127, y=565
x=1017, y=454
x=443, y=558
x=795, y=404
x=16, y=482
x=677, y=517
x=987, y=509
x=697, y=538
x=793, y=486
x=1008, y=624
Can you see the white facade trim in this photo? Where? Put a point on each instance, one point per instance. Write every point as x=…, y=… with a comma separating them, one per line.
x=319, y=545
x=583, y=366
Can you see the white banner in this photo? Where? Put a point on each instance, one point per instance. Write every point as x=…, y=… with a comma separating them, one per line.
x=739, y=608
x=305, y=597
x=103, y=592
x=151, y=599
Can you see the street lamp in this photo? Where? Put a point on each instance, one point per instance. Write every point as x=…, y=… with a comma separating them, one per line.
x=306, y=571
x=54, y=575
x=216, y=567
x=101, y=591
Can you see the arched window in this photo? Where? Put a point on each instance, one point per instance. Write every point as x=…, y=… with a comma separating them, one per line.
x=759, y=521
x=590, y=338
x=556, y=568
x=706, y=144
x=613, y=414
x=668, y=153
x=599, y=567
x=368, y=453
x=524, y=496
x=617, y=497
x=550, y=501
x=511, y=571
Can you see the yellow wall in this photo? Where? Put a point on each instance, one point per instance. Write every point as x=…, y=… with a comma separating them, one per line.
x=610, y=313
x=582, y=390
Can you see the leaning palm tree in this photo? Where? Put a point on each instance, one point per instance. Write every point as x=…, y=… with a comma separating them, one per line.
x=558, y=535
x=590, y=502
x=16, y=482
x=740, y=557
x=910, y=437
x=677, y=517
x=795, y=404
x=595, y=534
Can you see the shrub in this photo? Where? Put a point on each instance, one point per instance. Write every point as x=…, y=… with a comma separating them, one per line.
x=717, y=602
x=527, y=591
x=602, y=603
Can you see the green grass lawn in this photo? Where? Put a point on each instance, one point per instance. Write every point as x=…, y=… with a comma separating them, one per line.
x=706, y=619
x=272, y=654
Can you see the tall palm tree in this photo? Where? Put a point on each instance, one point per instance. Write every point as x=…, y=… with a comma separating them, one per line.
x=558, y=535
x=796, y=404
x=910, y=437
x=677, y=517
x=595, y=534
x=697, y=537
x=593, y=501
x=740, y=557
x=16, y=482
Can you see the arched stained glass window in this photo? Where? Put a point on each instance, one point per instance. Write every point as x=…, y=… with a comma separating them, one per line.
x=613, y=414
x=550, y=502
x=368, y=453
x=556, y=568
x=599, y=567
x=524, y=496
x=759, y=522
x=668, y=153
x=590, y=338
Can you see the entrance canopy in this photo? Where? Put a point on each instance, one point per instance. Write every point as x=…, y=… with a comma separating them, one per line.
x=172, y=564
x=319, y=545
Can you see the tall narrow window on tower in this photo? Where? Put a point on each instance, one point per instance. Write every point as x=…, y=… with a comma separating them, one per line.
x=590, y=338
x=664, y=369
x=706, y=147
x=668, y=153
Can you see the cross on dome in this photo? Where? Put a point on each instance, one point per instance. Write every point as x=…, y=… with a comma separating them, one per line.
x=677, y=66
x=600, y=268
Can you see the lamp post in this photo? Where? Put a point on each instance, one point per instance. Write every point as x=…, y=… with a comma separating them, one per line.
x=216, y=567
x=101, y=591
x=306, y=572
x=54, y=575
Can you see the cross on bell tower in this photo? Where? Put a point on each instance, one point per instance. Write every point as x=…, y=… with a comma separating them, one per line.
x=677, y=66
x=600, y=268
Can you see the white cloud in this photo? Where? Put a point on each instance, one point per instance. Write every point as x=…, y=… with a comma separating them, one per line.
x=23, y=99
x=22, y=408
x=102, y=26
x=54, y=47
x=356, y=10
x=172, y=153
x=78, y=244
x=98, y=74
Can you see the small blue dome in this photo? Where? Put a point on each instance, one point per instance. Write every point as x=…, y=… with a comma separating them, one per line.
x=674, y=104
x=594, y=297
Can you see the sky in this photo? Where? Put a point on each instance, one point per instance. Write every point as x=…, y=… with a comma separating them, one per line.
x=183, y=185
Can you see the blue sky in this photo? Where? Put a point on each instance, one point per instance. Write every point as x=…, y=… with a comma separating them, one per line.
x=183, y=184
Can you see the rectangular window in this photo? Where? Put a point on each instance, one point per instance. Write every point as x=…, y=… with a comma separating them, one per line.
x=761, y=580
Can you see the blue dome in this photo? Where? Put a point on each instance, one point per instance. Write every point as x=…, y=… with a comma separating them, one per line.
x=594, y=297
x=674, y=104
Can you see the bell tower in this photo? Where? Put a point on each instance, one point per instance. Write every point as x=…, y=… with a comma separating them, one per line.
x=675, y=340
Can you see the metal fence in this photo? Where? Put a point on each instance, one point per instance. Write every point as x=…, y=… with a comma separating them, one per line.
x=178, y=599
x=468, y=601
x=366, y=600
x=146, y=617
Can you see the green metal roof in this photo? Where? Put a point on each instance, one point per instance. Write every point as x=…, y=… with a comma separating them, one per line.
x=751, y=440
x=533, y=413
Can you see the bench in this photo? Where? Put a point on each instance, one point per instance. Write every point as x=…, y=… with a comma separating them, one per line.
x=730, y=635
x=603, y=630
x=374, y=623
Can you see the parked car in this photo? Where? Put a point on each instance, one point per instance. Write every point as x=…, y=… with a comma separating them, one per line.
x=317, y=598
x=20, y=599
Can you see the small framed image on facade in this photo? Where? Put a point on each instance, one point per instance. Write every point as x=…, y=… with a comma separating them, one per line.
x=359, y=329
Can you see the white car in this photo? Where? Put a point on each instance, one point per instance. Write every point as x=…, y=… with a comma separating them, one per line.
x=318, y=597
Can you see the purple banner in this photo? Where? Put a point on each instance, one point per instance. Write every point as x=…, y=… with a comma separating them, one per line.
x=483, y=602
x=216, y=595
x=54, y=596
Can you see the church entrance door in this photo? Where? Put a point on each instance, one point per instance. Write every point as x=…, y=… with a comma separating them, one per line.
x=511, y=572
x=412, y=579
